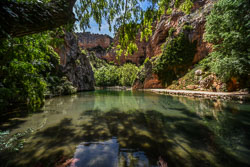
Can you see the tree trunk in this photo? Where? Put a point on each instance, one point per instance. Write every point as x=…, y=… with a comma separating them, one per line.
x=19, y=19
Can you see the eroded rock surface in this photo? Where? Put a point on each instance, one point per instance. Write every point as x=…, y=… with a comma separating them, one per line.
x=192, y=25
x=74, y=64
x=97, y=43
x=137, y=58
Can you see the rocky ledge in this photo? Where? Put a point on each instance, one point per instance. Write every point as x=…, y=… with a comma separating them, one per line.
x=239, y=96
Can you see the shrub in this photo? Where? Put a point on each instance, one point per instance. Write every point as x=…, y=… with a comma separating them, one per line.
x=187, y=27
x=227, y=28
x=107, y=76
x=111, y=75
x=171, y=31
x=28, y=69
x=128, y=73
x=26, y=63
x=186, y=6
x=177, y=55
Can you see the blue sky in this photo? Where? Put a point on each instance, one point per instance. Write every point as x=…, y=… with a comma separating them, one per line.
x=105, y=28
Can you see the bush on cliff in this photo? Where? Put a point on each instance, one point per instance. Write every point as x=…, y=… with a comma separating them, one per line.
x=228, y=29
x=177, y=55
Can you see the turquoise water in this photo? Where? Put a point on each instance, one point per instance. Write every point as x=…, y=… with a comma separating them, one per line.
x=125, y=128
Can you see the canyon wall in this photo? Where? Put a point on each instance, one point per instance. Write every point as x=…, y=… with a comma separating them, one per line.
x=137, y=58
x=74, y=64
x=97, y=43
x=177, y=20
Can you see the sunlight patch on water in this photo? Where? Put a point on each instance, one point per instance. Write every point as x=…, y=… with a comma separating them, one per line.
x=117, y=128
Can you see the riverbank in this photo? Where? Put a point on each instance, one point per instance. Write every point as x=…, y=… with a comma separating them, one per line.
x=239, y=96
x=113, y=88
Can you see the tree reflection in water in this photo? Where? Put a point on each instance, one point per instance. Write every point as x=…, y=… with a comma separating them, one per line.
x=171, y=131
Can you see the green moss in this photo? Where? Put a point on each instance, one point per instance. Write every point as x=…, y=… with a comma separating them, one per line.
x=177, y=3
x=177, y=56
x=171, y=31
x=146, y=60
x=78, y=62
x=169, y=11
x=187, y=27
x=187, y=6
x=84, y=51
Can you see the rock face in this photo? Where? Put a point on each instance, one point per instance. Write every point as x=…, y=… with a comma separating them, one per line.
x=177, y=20
x=192, y=25
x=137, y=58
x=196, y=19
x=146, y=78
x=74, y=64
x=97, y=43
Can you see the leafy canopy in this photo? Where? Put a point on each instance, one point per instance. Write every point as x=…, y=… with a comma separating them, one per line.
x=228, y=29
x=29, y=70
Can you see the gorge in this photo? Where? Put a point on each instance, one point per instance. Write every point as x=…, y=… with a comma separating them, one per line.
x=170, y=89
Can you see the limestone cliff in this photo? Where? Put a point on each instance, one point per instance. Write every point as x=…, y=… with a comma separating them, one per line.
x=74, y=64
x=97, y=43
x=192, y=25
x=137, y=58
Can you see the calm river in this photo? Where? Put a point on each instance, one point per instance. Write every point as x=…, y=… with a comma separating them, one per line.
x=127, y=129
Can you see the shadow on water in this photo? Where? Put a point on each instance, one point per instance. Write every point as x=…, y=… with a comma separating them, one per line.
x=185, y=132
x=14, y=118
x=180, y=141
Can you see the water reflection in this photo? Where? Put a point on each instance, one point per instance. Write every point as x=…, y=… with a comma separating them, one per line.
x=111, y=128
x=107, y=153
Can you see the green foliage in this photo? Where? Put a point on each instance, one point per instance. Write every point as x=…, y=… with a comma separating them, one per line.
x=57, y=86
x=83, y=51
x=107, y=76
x=178, y=54
x=95, y=62
x=187, y=27
x=169, y=11
x=25, y=62
x=147, y=27
x=127, y=74
x=146, y=60
x=177, y=3
x=171, y=31
x=112, y=75
x=163, y=6
x=227, y=28
x=186, y=6
x=26, y=69
x=110, y=47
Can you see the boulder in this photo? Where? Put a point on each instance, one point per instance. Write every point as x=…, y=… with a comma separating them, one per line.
x=198, y=72
x=191, y=87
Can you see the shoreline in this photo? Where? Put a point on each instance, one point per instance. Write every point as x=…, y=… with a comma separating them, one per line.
x=113, y=88
x=238, y=96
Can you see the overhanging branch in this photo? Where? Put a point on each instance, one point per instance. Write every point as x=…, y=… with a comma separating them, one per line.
x=19, y=19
